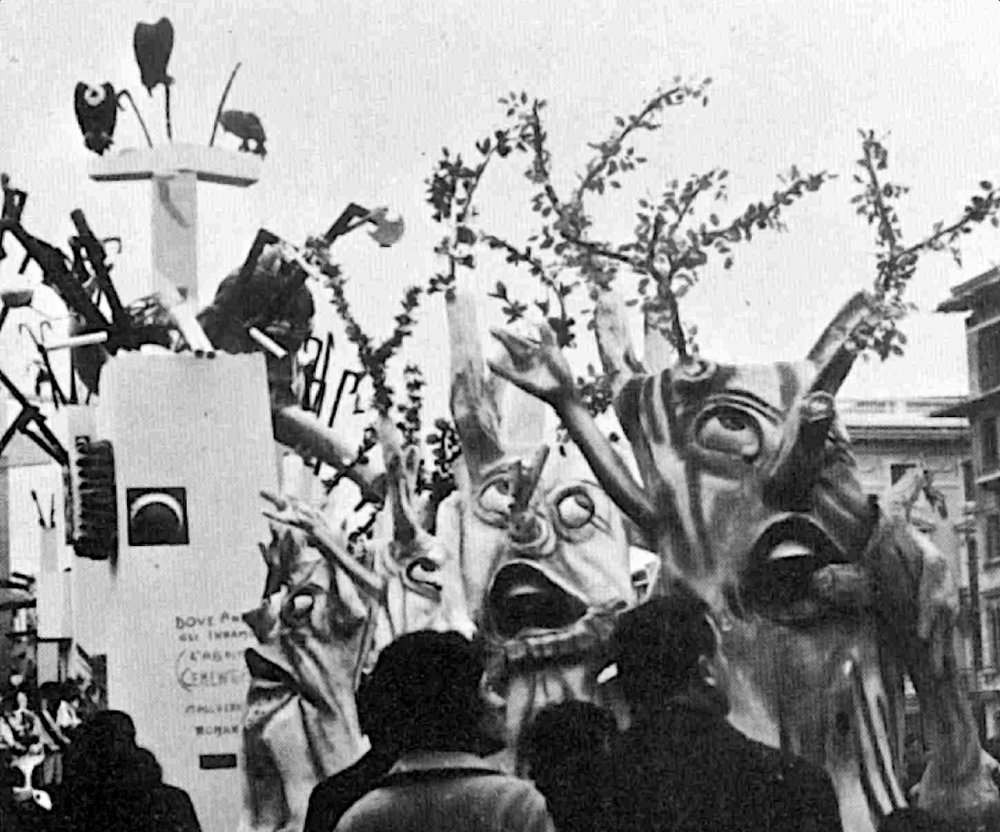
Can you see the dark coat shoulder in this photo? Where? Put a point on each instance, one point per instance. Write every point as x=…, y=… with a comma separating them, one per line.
x=687, y=770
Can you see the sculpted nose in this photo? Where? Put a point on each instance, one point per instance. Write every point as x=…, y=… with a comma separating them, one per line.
x=529, y=532
x=800, y=458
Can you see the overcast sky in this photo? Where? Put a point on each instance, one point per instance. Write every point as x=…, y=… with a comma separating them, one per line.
x=358, y=98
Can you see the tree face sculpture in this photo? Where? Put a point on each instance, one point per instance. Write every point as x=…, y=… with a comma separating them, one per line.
x=750, y=495
x=558, y=546
x=544, y=555
x=763, y=512
x=320, y=621
x=301, y=723
x=423, y=587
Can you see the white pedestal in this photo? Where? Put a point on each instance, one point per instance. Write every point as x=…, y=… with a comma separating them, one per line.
x=175, y=638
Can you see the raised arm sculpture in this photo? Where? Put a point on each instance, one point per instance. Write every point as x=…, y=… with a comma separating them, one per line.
x=750, y=493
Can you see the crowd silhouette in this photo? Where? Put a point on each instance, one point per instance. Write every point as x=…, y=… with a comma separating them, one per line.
x=678, y=765
x=61, y=772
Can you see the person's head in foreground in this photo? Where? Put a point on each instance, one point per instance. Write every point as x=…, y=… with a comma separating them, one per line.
x=667, y=652
x=566, y=735
x=432, y=680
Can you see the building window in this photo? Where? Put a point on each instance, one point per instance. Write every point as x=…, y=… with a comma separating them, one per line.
x=989, y=357
x=992, y=538
x=986, y=304
x=975, y=607
x=993, y=634
x=968, y=481
x=898, y=470
x=990, y=447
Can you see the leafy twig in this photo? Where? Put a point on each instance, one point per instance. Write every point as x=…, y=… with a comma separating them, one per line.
x=561, y=324
x=374, y=359
x=665, y=282
x=896, y=264
x=611, y=147
x=410, y=410
x=669, y=258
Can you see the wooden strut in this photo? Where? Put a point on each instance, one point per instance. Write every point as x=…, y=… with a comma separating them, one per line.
x=31, y=417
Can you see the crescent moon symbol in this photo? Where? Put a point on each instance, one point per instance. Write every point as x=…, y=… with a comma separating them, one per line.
x=157, y=497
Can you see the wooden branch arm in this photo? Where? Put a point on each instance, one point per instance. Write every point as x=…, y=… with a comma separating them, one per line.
x=365, y=579
x=613, y=475
x=300, y=428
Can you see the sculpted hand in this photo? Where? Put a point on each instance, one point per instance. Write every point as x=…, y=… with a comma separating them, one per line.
x=333, y=544
x=537, y=367
x=290, y=511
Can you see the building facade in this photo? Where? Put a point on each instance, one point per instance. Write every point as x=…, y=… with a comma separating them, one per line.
x=979, y=299
x=891, y=437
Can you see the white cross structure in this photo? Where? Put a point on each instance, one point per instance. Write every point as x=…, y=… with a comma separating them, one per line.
x=174, y=171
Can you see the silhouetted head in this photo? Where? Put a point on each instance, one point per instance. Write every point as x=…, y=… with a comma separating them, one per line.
x=566, y=734
x=665, y=647
x=50, y=694
x=378, y=710
x=145, y=769
x=429, y=692
x=111, y=732
x=8, y=702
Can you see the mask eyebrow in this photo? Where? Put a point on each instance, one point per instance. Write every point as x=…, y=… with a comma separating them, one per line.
x=745, y=398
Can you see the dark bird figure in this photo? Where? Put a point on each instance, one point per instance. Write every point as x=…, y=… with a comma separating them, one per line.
x=96, y=113
x=247, y=127
x=153, y=43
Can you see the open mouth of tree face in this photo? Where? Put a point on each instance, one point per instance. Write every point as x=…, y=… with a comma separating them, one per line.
x=267, y=674
x=524, y=600
x=779, y=582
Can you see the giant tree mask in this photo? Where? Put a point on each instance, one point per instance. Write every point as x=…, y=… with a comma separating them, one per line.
x=318, y=625
x=544, y=555
x=301, y=724
x=750, y=494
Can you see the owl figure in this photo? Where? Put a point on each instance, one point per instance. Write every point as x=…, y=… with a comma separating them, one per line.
x=96, y=113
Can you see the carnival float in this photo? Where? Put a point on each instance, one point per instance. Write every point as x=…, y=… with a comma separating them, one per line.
x=200, y=473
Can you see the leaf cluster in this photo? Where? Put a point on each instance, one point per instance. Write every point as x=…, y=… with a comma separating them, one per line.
x=451, y=189
x=374, y=358
x=673, y=239
x=896, y=262
x=446, y=448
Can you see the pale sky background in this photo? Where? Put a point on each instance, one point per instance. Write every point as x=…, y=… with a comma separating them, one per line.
x=358, y=99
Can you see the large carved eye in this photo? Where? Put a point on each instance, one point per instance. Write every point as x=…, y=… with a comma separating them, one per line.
x=575, y=508
x=298, y=608
x=731, y=431
x=495, y=496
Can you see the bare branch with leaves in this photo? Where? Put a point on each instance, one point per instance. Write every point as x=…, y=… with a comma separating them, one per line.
x=670, y=244
x=896, y=263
